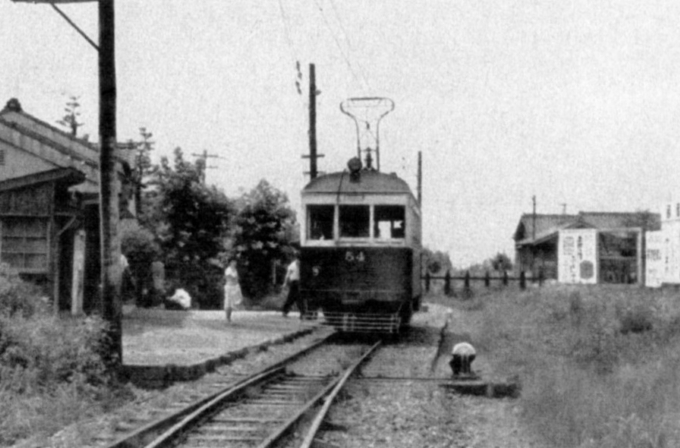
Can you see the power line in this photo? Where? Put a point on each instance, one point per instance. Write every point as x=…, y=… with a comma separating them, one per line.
x=286, y=30
x=349, y=43
x=342, y=27
x=342, y=53
x=291, y=50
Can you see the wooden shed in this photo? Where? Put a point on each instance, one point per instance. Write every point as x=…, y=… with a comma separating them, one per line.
x=49, y=208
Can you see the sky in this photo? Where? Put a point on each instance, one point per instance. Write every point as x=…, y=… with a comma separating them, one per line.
x=573, y=102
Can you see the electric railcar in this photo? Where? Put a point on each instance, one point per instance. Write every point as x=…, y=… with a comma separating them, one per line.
x=360, y=249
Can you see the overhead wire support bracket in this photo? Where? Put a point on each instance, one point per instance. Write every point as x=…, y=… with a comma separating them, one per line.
x=75, y=27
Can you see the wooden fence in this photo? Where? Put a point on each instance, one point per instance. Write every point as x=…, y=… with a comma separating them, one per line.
x=467, y=279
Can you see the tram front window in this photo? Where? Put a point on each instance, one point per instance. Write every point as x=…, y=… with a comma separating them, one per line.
x=389, y=222
x=354, y=221
x=320, y=225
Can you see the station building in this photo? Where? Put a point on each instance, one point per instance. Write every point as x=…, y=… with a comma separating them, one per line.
x=589, y=247
x=49, y=208
x=663, y=248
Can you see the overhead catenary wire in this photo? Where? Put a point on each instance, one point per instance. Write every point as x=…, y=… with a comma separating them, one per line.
x=285, y=19
x=366, y=84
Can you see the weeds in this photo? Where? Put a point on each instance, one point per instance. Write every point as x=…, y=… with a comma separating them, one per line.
x=598, y=365
x=51, y=372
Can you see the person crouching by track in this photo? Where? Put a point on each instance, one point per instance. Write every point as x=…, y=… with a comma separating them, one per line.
x=179, y=300
x=293, y=282
x=463, y=354
x=232, y=289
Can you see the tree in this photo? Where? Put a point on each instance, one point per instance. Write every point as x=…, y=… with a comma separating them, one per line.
x=644, y=219
x=436, y=262
x=143, y=169
x=501, y=262
x=191, y=222
x=262, y=236
x=70, y=118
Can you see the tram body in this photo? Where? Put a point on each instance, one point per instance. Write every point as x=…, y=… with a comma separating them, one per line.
x=360, y=250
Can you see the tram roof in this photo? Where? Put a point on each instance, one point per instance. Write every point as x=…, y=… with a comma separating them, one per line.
x=369, y=182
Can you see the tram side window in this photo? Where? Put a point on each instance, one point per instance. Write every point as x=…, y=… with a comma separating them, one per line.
x=354, y=221
x=389, y=222
x=320, y=225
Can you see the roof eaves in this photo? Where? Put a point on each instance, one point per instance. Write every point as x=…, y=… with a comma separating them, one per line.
x=84, y=143
x=51, y=143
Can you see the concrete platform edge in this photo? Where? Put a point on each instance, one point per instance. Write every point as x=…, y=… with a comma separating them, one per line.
x=160, y=376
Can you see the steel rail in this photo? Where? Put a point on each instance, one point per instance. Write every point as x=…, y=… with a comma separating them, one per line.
x=330, y=390
x=178, y=429
x=194, y=421
x=321, y=415
x=137, y=437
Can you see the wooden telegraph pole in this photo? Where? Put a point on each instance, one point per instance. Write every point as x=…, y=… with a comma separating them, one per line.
x=313, y=155
x=312, y=122
x=110, y=305
x=204, y=157
x=420, y=179
x=108, y=184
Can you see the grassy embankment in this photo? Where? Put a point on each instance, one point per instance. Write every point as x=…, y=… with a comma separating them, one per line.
x=599, y=366
x=51, y=373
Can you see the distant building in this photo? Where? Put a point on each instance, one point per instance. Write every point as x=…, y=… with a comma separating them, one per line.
x=663, y=248
x=49, y=208
x=590, y=247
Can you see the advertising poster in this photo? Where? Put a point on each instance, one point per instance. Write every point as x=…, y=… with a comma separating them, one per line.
x=671, y=251
x=654, y=254
x=577, y=256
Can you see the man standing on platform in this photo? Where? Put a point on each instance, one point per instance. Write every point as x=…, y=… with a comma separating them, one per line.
x=293, y=282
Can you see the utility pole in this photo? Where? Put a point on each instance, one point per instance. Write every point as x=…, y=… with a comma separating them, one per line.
x=312, y=122
x=108, y=184
x=205, y=157
x=533, y=237
x=564, y=208
x=420, y=179
x=533, y=199
x=313, y=171
x=110, y=306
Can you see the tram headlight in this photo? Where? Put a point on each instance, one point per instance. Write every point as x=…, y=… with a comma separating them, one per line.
x=316, y=270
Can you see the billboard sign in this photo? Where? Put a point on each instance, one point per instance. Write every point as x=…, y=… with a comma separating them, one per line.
x=654, y=259
x=577, y=256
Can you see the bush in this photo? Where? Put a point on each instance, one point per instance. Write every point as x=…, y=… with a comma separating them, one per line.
x=50, y=368
x=637, y=320
x=18, y=297
x=141, y=250
x=40, y=352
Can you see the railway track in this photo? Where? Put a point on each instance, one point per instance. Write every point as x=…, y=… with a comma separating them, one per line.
x=303, y=376
x=266, y=408
x=141, y=427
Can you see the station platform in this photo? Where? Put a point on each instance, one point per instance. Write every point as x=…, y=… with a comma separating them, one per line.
x=161, y=346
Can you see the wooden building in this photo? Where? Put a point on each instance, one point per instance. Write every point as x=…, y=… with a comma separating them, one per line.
x=49, y=208
x=537, y=242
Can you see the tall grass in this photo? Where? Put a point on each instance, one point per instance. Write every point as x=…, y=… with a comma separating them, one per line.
x=51, y=370
x=600, y=366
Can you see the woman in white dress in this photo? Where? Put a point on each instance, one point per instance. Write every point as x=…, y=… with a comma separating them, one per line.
x=232, y=290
